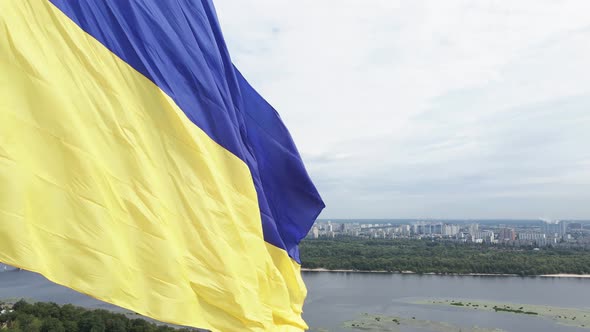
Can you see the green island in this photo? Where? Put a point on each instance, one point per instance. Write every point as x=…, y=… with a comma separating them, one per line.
x=22, y=316
x=425, y=256
x=367, y=322
x=496, y=308
x=578, y=317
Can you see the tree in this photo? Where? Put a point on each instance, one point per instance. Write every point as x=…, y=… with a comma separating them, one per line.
x=91, y=323
x=28, y=322
x=52, y=324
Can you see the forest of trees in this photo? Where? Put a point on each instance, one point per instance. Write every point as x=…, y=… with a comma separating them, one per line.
x=424, y=256
x=50, y=317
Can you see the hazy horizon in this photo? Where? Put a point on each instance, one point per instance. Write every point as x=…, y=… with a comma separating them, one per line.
x=428, y=108
x=460, y=220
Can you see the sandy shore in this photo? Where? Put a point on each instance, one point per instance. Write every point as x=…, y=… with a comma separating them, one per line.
x=564, y=275
x=355, y=271
x=561, y=275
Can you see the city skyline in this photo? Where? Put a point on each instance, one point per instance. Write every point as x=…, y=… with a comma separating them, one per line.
x=568, y=234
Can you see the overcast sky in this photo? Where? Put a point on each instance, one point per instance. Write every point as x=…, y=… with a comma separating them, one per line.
x=428, y=109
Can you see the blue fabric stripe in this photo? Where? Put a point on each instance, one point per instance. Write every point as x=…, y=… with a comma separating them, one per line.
x=179, y=46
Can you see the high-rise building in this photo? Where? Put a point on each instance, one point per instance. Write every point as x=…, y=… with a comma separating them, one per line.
x=450, y=230
x=506, y=234
x=554, y=229
x=563, y=227
x=473, y=229
x=488, y=237
x=437, y=229
x=405, y=230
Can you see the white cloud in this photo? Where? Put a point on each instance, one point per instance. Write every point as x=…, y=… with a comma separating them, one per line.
x=428, y=108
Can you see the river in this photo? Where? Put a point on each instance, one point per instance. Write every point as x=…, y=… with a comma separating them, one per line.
x=336, y=297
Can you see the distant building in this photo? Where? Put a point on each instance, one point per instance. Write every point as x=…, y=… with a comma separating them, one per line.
x=539, y=239
x=554, y=229
x=405, y=230
x=483, y=236
x=473, y=229
x=477, y=235
x=450, y=230
x=489, y=237
x=563, y=227
x=315, y=232
x=506, y=234
x=437, y=229
x=531, y=236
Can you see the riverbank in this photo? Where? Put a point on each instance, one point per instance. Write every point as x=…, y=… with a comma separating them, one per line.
x=565, y=275
x=441, y=257
x=30, y=315
x=561, y=275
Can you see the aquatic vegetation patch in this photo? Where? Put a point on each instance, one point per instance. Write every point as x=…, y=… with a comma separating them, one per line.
x=516, y=311
x=367, y=322
x=578, y=317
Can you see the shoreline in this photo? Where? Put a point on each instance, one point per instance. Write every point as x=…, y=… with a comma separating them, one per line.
x=559, y=275
x=564, y=275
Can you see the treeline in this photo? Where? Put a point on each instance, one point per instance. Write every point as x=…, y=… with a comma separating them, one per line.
x=424, y=256
x=50, y=317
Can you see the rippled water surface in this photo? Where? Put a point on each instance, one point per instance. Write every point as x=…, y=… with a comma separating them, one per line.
x=334, y=298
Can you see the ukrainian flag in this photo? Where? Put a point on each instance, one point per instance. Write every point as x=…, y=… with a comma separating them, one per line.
x=138, y=166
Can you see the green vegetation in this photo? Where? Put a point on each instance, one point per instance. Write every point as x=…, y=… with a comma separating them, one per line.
x=424, y=256
x=579, y=317
x=366, y=322
x=50, y=317
x=516, y=311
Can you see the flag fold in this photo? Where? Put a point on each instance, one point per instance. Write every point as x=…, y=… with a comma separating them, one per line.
x=137, y=165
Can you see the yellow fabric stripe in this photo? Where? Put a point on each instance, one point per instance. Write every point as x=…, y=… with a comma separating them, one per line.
x=107, y=188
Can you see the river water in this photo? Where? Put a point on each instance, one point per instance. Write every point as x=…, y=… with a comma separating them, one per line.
x=335, y=297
